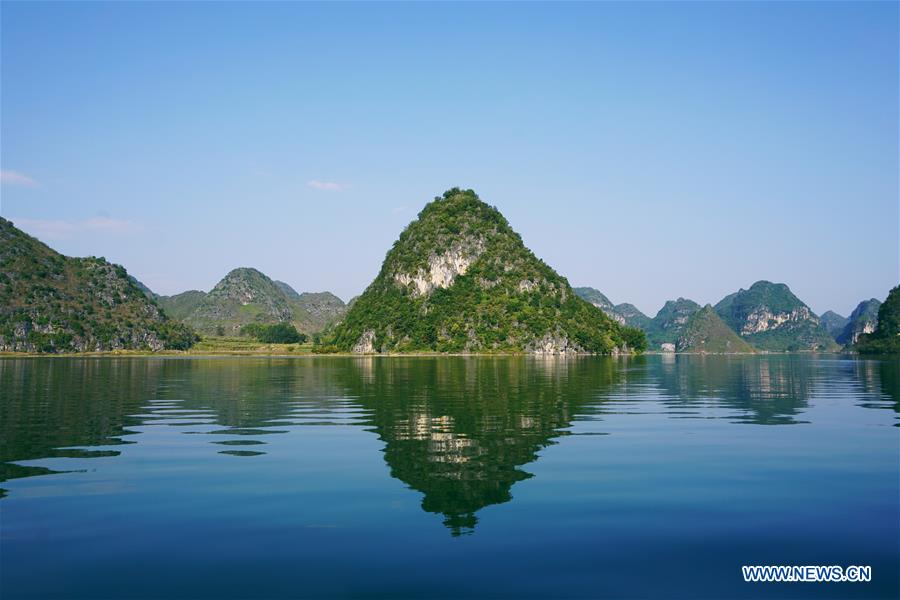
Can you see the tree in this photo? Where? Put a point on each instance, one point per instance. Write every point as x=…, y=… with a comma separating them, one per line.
x=886, y=337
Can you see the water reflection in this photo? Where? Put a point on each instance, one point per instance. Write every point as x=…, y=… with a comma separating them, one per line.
x=460, y=431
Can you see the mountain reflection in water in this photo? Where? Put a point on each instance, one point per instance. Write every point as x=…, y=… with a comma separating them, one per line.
x=459, y=430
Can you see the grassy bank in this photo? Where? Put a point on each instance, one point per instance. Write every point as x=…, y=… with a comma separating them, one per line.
x=208, y=346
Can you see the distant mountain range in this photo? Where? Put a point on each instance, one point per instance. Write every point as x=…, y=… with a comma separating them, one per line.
x=458, y=279
x=247, y=296
x=767, y=316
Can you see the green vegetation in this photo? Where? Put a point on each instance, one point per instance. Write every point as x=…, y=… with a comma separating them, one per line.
x=597, y=298
x=706, y=332
x=633, y=317
x=181, y=305
x=863, y=319
x=771, y=317
x=625, y=314
x=886, y=337
x=278, y=333
x=666, y=326
x=215, y=345
x=833, y=323
x=247, y=296
x=53, y=303
x=492, y=294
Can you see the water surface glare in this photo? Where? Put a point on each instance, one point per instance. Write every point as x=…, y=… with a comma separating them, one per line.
x=654, y=476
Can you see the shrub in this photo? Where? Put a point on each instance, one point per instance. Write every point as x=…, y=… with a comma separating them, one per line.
x=279, y=333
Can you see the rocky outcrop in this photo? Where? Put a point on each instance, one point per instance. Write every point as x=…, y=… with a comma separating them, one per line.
x=553, y=344
x=763, y=319
x=863, y=320
x=886, y=337
x=365, y=344
x=442, y=268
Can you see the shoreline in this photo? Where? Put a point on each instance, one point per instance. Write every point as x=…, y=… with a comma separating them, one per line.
x=306, y=353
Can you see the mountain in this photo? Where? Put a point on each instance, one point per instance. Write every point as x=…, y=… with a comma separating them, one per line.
x=54, y=303
x=287, y=290
x=626, y=314
x=181, y=305
x=459, y=279
x=705, y=331
x=863, y=319
x=247, y=296
x=633, y=317
x=315, y=309
x=598, y=299
x=243, y=296
x=666, y=326
x=318, y=309
x=886, y=337
x=147, y=291
x=834, y=323
x=771, y=317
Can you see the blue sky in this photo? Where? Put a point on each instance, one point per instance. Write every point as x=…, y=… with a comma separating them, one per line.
x=649, y=150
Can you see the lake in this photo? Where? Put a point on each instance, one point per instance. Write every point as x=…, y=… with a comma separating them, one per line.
x=258, y=477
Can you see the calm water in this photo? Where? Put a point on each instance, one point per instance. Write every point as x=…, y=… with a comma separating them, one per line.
x=521, y=477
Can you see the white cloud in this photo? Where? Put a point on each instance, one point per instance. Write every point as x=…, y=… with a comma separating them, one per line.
x=327, y=186
x=108, y=225
x=15, y=178
x=61, y=228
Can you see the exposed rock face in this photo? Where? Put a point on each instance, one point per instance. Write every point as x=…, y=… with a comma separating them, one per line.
x=763, y=319
x=886, y=337
x=442, y=268
x=863, y=320
x=554, y=344
x=771, y=317
x=53, y=303
x=366, y=343
x=459, y=279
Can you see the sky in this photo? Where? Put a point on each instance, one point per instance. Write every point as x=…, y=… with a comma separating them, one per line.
x=649, y=150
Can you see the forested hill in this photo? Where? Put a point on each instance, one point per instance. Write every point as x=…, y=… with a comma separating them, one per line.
x=54, y=303
x=460, y=279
